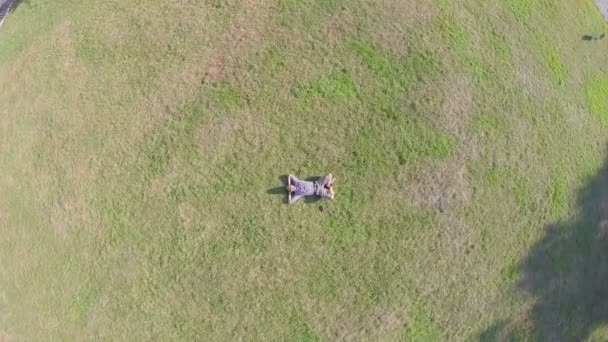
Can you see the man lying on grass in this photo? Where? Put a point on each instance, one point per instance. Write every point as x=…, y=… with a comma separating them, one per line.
x=322, y=187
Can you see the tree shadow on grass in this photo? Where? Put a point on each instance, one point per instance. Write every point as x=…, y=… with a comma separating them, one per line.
x=568, y=272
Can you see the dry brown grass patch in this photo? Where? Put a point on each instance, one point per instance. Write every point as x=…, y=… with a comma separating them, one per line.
x=177, y=87
x=219, y=135
x=338, y=24
x=439, y=183
x=530, y=76
x=379, y=322
x=125, y=263
x=18, y=78
x=242, y=37
x=222, y=134
x=414, y=12
x=73, y=72
x=458, y=104
x=399, y=18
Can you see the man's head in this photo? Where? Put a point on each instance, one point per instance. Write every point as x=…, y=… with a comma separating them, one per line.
x=291, y=188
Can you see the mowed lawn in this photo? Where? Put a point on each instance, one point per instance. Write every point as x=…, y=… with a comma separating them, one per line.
x=143, y=145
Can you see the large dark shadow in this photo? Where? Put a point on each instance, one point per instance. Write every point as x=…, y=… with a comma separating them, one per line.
x=567, y=271
x=7, y=6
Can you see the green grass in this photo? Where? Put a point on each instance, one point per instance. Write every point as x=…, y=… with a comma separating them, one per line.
x=521, y=9
x=559, y=195
x=144, y=145
x=596, y=90
x=509, y=273
x=456, y=36
x=337, y=86
x=421, y=327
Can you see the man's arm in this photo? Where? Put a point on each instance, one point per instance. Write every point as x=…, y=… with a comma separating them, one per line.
x=289, y=180
x=294, y=199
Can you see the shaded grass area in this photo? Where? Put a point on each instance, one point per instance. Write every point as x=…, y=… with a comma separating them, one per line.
x=139, y=141
x=566, y=270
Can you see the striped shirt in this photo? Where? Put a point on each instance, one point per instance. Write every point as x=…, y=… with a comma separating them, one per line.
x=304, y=188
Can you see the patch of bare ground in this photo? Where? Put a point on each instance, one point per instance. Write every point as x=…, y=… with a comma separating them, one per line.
x=5, y=123
x=64, y=153
x=73, y=73
x=376, y=324
x=218, y=135
x=271, y=275
x=243, y=36
x=63, y=215
x=222, y=134
x=452, y=103
x=125, y=264
x=577, y=118
x=413, y=12
x=337, y=25
x=16, y=78
x=441, y=182
x=98, y=317
x=188, y=215
x=437, y=183
x=458, y=103
x=71, y=212
x=400, y=17
x=178, y=86
x=192, y=218
x=216, y=138
x=458, y=107
x=453, y=244
x=530, y=77
x=6, y=337
x=71, y=207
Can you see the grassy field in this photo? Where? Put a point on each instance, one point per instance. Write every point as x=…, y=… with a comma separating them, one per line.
x=143, y=145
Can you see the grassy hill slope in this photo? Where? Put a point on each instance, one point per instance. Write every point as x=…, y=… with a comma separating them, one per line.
x=142, y=145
